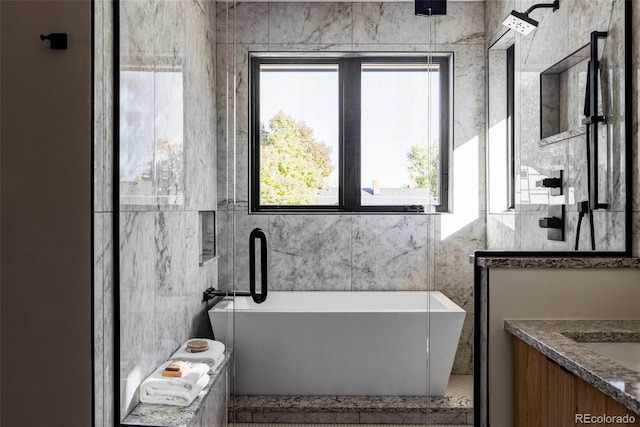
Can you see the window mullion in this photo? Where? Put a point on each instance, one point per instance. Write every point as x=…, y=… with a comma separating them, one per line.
x=351, y=133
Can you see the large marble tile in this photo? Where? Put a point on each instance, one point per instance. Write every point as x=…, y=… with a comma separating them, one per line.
x=200, y=110
x=635, y=236
x=198, y=324
x=233, y=121
x=177, y=251
x=468, y=130
x=98, y=316
x=310, y=252
x=454, y=273
x=576, y=175
x=495, y=237
x=137, y=259
x=171, y=324
x=137, y=310
x=136, y=28
x=168, y=27
x=390, y=252
x=463, y=361
x=389, y=23
x=103, y=108
x=107, y=323
x=495, y=12
x=585, y=17
x=310, y=22
x=316, y=47
x=534, y=238
x=610, y=230
x=224, y=225
x=463, y=24
x=251, y=22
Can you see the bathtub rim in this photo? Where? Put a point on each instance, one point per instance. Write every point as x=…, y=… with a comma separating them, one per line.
x=227, y=304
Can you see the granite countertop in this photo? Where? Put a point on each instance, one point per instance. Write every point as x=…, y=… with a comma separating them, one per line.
x=147, y=414
x=353, y=403
x=558, y=262
x=556, y=339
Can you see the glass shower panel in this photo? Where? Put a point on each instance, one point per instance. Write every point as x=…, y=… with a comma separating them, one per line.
x=165, y=188
x=345, y=330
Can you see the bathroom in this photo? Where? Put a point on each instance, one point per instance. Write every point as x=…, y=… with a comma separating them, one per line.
x=173, y=102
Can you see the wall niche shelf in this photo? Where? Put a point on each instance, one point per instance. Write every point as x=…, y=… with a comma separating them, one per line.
x=562, y=93
x=571, y=133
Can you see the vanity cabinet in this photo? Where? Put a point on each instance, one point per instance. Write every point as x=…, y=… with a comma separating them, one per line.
x=547, y=395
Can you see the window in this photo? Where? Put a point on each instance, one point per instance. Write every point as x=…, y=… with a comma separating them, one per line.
x=356, y=133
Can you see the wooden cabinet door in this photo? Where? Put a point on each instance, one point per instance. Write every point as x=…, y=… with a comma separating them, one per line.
x=561, y=397
x=530, y=386
x=546, y=395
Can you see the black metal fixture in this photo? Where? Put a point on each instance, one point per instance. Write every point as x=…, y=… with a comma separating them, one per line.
x=591, y=120
x=430, y=7
x=522, y=22
x=258, y=234
x=554, y=183
x=58, y=40
x=554, y=222
x=211, y=293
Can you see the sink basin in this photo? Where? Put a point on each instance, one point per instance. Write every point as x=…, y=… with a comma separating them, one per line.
x=625, y=353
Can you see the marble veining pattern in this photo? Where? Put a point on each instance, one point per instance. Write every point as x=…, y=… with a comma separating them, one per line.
x=563, y=262
x=357, y=258
x=550, y=338
x=310, y=23
x=559, y=34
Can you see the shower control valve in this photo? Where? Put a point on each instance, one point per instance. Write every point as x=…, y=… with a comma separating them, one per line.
x=550, y=222
x=549, y=183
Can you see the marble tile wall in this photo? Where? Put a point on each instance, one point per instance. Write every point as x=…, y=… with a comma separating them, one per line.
x=358, y=252
x=161, y=281
x=558, y=35
x=103, y=215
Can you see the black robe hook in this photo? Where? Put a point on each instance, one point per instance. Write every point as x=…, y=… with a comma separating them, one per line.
x=58, y=40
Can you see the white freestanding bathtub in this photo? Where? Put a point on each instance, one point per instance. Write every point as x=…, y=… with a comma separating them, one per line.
x=340, y=343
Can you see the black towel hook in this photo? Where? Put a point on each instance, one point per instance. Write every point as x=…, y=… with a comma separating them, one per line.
x=58, y=40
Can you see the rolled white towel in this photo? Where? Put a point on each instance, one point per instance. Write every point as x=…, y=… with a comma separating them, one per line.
x=173, y=396
x=213, y=356
x=181, y=391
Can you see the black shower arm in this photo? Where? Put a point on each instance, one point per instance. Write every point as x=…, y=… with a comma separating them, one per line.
x=555, y=5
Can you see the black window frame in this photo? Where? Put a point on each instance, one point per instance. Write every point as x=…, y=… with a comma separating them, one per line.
x=349, y=122
x=511, y=137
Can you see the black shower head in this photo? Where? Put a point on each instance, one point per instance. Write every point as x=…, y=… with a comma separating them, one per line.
x=522, y=23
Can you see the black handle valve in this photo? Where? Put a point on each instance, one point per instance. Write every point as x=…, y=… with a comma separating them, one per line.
x=549, y=183
x=550, y=222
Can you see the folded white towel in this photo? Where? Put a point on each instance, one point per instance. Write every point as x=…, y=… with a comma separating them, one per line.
x=174, y=391
x=214, y=355
x=173, y=396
